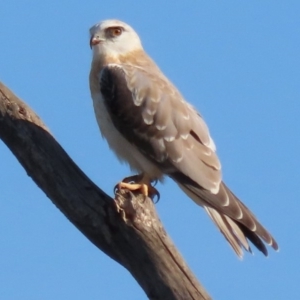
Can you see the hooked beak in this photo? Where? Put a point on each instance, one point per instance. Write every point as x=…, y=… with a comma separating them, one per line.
x=95, y=40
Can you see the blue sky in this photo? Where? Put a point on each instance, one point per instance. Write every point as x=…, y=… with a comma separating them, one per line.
x=237, y=62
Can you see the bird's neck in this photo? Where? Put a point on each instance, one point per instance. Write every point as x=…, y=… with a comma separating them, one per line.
x=136, y=58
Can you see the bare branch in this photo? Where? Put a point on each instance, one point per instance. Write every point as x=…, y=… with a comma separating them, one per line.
x=127, y=229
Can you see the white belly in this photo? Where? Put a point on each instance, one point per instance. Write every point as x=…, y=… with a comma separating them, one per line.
x=125, y=151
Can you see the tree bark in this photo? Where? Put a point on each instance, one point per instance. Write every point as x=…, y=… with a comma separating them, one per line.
x=126, y=228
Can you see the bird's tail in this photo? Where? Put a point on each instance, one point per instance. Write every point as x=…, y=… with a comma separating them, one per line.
x=233, y=218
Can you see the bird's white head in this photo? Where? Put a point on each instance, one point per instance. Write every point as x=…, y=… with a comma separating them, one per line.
x=113, y=38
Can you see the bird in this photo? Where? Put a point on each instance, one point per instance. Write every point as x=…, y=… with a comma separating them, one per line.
x=149, y=125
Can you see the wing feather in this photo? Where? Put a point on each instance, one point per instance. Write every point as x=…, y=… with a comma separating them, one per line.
x=161, y=114
x=149, y=111
x=152, y=115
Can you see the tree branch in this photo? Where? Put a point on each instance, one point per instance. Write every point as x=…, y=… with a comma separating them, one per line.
x=127, y=228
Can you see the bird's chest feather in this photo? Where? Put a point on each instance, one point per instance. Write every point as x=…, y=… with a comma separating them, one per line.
x=125, y=151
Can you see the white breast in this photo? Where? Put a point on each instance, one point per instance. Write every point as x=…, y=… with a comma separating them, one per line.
x=125, y=151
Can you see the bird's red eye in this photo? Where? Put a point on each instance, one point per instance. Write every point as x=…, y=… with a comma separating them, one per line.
x=115, y=31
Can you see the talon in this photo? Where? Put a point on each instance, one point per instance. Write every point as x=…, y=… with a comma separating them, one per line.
x=134, y=187
x=153, y=192
x=138, y=182
x=154, y=182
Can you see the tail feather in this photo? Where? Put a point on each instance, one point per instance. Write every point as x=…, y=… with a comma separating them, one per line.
x=259, y=230
x=255, y=240
x=239, y=233
x=236, y=240
x=238, y=225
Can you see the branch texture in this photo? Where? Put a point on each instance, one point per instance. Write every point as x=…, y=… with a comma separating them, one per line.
x=126, y=228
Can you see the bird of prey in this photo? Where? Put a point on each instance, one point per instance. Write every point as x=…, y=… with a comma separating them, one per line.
x=149, y=125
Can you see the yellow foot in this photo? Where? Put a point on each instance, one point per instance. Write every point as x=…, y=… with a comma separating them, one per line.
x=134, y=187
x=135, y=183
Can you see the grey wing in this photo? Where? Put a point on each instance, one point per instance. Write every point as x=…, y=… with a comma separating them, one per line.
x=151, y=114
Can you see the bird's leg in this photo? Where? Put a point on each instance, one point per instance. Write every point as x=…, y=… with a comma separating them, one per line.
x=138, y=182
